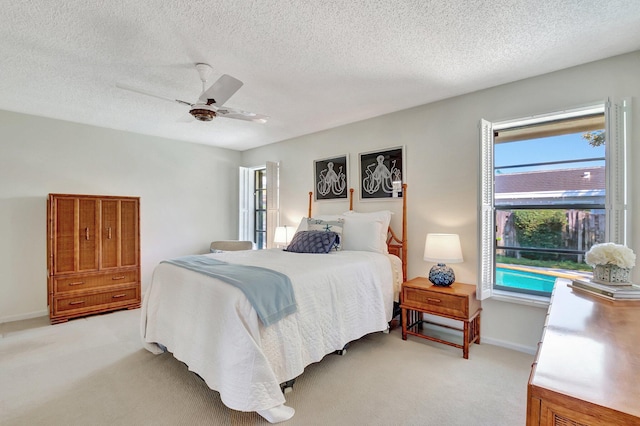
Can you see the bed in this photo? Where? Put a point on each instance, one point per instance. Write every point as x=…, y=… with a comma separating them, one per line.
x=214, y=328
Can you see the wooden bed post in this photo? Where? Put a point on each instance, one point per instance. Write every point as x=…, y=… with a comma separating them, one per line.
x=310, y=197
x=404, y=231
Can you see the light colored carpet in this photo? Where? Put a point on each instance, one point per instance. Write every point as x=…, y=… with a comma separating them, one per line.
x=94, y=371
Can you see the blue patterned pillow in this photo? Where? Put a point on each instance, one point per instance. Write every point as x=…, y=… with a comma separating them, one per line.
x=314, y=224
x=313, y=242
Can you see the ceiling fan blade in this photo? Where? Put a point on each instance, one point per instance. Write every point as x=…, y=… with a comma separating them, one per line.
x=145, y=92
x=221, y=90
x=241, y=115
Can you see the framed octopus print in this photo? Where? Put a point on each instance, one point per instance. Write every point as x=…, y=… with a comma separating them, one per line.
x=382, y=174
x=331, y=178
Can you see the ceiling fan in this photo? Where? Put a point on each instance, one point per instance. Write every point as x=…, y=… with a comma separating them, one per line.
x=210, y=103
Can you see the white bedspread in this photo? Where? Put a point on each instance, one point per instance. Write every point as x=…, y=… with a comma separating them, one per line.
x=211, y=326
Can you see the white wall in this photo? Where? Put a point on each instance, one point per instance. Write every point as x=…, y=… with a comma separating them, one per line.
x=442, y=168
x=189, y=196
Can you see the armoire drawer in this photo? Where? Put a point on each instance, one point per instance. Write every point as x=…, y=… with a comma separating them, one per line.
x=89, y=281
x=121, y=296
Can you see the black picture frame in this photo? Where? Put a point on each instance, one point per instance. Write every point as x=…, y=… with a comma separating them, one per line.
x=331, y=178
x=382, y=174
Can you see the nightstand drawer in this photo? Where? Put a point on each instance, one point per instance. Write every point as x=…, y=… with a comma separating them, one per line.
x=435, y=302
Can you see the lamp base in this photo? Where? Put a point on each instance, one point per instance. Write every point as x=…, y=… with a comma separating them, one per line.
x=441, y=275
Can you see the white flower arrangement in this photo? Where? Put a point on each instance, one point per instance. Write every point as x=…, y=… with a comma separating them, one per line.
x=611, y=254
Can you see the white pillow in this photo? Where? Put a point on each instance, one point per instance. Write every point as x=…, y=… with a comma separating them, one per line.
x=382, y=216
x=326, y=217
x=363, y=234
x=302, y=226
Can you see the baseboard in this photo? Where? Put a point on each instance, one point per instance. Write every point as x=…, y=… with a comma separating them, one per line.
x=520, y=348
x=20, y=317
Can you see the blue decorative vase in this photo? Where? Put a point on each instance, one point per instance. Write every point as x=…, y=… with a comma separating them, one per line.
x=441, y=275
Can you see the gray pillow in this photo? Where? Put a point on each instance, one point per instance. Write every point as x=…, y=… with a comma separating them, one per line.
x=313, y=242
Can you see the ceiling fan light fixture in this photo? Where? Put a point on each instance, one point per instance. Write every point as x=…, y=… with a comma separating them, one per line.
x=202, y=114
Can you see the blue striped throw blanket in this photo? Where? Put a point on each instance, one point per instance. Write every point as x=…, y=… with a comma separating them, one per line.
x=269, y=292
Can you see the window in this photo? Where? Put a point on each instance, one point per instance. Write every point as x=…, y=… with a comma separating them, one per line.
x=259, y=204
x=551, y=187
x=260, y=208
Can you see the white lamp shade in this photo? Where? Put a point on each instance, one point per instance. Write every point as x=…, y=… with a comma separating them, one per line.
x=283, y=234
x=443, y=248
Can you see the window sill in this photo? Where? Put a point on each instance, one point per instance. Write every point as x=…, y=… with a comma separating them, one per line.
x=521, y=298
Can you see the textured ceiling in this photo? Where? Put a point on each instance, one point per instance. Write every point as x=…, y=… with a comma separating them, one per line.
x=309, y=65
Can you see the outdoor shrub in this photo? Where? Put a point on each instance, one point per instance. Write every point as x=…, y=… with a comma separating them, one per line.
x=539, y=229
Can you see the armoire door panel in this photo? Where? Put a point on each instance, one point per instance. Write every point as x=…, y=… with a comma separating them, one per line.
x=129, y=232
x=88, y=234
x=110, y=234
x=64, y=235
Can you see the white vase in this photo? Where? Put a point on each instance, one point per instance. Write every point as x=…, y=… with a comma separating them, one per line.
x=611, y=274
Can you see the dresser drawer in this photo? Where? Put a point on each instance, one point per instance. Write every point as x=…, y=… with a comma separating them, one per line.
x=89, y=281
x=436, y=302
x=113, y=298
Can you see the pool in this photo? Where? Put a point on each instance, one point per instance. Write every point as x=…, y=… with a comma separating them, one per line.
x=524, y=280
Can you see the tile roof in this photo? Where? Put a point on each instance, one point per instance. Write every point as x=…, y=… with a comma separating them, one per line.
x=585, y=178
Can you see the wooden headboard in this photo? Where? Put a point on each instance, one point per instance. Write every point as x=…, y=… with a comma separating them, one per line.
x=397, y=246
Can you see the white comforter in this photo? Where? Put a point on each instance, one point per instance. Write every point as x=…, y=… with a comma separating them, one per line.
x=212, y=327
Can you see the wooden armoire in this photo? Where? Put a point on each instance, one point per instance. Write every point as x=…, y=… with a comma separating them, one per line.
x=93, y=254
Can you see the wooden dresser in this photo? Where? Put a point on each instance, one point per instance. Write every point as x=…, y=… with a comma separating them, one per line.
x=587, y=369
x=93, y=254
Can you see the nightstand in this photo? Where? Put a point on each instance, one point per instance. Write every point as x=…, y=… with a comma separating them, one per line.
x=457, y=302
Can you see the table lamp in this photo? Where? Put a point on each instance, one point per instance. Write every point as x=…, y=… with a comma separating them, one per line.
x=442, y=249
x=283, y=235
